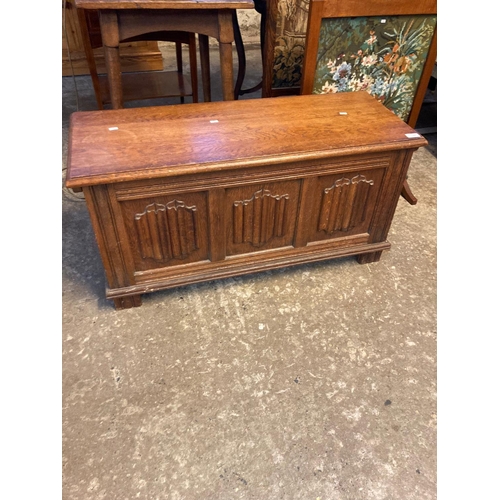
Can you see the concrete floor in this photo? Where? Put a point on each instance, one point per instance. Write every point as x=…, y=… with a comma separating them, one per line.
x=306, y=383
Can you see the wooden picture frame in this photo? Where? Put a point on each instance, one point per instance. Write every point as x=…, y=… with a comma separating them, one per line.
x=284, y=46
x=321, y=10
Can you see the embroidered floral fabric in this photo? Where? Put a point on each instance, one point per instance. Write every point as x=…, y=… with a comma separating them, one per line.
x=291, y=27
x=384, y=56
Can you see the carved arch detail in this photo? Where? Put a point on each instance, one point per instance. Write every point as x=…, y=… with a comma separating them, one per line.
x=344, y=204
x=167, y=232
x=260, y=218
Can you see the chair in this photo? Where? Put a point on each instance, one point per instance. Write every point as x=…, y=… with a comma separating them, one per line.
x=142, y=85
x=385, y=48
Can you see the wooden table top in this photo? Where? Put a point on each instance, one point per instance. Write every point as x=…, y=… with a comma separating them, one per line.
x=161, y=141
x=165, y=4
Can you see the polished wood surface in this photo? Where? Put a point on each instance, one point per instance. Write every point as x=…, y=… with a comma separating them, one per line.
x=183, y=194
x=217, y=136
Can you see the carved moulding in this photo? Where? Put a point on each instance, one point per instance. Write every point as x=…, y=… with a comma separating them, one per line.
x=260, y=218
x=344, y=204
x=167, y=232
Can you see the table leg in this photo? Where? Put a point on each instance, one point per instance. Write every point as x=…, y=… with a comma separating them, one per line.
x=193, y=66
x=89, y=54
x=226, y=67
x=205, y=67
x=226, y=39
x=110, y=39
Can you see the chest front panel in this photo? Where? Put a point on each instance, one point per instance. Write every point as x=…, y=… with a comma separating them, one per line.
x=179, y=225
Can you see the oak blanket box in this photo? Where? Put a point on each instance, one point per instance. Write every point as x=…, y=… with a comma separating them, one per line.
x=193, y=192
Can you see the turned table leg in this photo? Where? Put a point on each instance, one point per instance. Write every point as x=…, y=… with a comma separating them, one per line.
x=205, y=67
x=226, y=39
x=110, y=40
x=226, y=58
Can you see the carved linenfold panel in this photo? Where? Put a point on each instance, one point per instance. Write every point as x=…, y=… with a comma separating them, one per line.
x=260, y=218
x=344, y=205
x=167, y=232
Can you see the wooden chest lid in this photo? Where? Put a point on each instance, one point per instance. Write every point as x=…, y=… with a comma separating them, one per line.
x=162, y=141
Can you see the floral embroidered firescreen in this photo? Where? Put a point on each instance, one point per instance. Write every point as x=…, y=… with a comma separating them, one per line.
x=383, y=55
x=291, y=28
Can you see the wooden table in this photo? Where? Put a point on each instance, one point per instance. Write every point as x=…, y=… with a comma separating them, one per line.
x=182, y=194
x=125, y=19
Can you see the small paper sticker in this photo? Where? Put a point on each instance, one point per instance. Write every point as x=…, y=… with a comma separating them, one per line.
x=214, y=121
x=113, y=128
x=342, y=112
x=412, y=135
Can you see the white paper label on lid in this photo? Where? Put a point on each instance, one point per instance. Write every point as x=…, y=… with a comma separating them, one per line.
x=214, y=121
x=413, y=135
x=113, y=128
x=342, y=112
